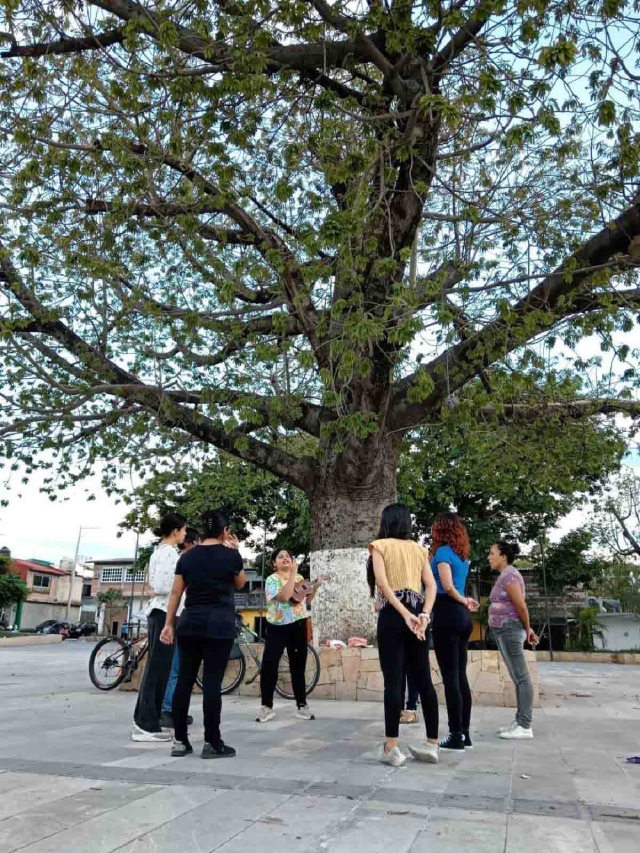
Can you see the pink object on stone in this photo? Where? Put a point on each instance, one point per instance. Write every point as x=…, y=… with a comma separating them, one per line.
x=357, y=643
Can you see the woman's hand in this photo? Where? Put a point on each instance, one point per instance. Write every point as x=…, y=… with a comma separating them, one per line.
x=472, y=605
x=231, y=540
x=532, y=637
x=412, y=622
x=168, y=635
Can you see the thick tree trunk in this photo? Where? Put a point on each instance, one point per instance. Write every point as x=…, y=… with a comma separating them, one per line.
x=346, y=505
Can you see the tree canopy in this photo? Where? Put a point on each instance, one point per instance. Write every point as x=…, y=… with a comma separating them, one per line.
x=295, y=231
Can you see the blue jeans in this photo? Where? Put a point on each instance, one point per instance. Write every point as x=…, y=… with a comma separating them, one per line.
x=171, y=683
x=510, y=640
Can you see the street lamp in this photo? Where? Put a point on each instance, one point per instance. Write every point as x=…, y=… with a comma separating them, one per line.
x=73, y=571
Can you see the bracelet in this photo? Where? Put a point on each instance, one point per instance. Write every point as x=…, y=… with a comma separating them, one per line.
x=424, y=615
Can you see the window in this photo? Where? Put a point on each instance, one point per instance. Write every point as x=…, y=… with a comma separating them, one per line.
x=42, y=582
x=111, y=575
x=140, y=576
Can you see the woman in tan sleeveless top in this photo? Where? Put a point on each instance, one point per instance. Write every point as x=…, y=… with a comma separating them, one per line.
x=397, y=571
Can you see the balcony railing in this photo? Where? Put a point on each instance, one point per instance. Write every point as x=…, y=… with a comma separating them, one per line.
x=248, y=600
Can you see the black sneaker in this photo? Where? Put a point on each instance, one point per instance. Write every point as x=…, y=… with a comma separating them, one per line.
x=180, y=749
x=454, y=742
x=166, y=721
x=220, y=750
x=467, y=741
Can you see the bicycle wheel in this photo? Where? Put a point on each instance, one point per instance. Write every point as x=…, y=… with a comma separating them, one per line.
x=108, y=663
x=284, y=687
x=233, y=674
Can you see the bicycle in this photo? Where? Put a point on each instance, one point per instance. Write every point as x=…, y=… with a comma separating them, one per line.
x=114, y=660
x=237, y=665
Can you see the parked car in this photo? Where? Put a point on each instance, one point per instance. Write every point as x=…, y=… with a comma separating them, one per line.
x=84, y=629
x=43, y=627
x=61, y=627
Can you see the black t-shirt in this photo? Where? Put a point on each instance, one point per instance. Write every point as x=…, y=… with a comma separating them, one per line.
x=208, y=572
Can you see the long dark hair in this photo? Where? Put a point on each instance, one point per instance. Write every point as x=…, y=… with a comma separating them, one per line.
x=395, y=523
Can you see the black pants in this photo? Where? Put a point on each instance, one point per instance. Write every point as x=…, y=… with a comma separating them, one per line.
x=293, y=638
x=451, y=631
x=215, y=654
x=398, y=647
x=156, y=675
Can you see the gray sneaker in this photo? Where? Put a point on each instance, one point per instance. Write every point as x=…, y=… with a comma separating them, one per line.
x=395, y=758
x=427, y=752
x=265, y=715
x=180, y=749
x=304, y=713
x=141, y=736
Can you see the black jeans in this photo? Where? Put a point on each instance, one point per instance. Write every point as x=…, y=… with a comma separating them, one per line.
x=215, y=654
x=451, y=631
x=398, y=647
x=156, y=675
x=293, y=638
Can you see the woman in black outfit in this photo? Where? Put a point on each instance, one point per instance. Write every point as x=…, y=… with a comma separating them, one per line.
x=209, y=573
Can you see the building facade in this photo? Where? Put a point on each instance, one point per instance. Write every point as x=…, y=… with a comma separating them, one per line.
x=48, y=594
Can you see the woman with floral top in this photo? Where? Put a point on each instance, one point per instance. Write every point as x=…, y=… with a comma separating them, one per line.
x=509, y=623
x=286, y=629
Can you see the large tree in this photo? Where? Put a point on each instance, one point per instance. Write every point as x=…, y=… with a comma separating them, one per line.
x=294, y=231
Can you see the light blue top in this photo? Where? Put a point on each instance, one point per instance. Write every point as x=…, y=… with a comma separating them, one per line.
x=459, y=568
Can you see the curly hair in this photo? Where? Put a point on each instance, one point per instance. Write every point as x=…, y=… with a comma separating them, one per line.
x=448, y=529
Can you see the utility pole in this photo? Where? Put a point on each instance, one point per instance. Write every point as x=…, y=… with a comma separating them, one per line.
x=133, y=585
x=73, y=570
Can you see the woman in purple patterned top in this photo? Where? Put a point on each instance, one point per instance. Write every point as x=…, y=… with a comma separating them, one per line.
x=509, y=623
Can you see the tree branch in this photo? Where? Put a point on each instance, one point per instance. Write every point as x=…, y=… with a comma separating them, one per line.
x=548, y=303
x=298, y=471
x=66, y=45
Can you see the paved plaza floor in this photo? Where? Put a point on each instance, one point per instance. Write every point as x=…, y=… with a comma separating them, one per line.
x=71, y=779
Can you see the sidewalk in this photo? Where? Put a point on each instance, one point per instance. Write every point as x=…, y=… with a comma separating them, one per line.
x=71, y=780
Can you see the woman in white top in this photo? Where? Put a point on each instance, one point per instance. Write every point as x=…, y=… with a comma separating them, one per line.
x=162, y=568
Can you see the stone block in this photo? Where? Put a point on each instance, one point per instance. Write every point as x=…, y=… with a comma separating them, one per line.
x=362, y=680
x=329, y=657
x=440, y=693
x=489, y=699
x=372, y=665
x=335, y=673
x=249, y=689
x=475, y=654
x=369, y=696
x=509, y=695
x=350, y=669
x=375, y=681
x=489, y=662
x=350, y=653
x=346, y=690
x=369, y=653
x=487, y=682
x=325, y=691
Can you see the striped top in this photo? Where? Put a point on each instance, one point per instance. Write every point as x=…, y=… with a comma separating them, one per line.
x=404, y=561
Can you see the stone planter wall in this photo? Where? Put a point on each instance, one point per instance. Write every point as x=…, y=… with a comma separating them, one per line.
x=30, y=640
x=629, y=658
x=355, y=674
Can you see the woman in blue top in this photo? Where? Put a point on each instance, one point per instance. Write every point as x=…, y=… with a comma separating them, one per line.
x=452, y=624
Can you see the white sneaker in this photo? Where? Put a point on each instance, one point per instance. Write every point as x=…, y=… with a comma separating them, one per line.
x=508, y=728
x=304, y=713
x=517, y=733
x=141, y=736
x=427, y=752
x=395, y=758
x=265, y=715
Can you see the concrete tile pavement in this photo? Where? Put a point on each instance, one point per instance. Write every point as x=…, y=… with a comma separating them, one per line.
x=70, y=779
